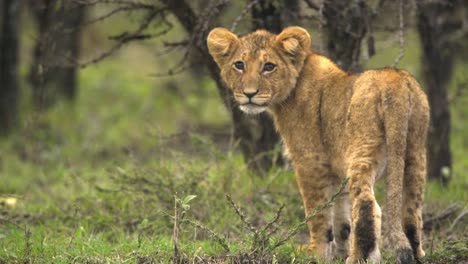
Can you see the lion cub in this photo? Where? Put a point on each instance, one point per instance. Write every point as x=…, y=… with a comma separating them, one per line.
x=336, y=124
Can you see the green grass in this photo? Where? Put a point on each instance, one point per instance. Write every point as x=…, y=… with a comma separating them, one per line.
x=95, y=181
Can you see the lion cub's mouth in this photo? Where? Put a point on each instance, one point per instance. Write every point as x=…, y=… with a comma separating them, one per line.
x=252, y=109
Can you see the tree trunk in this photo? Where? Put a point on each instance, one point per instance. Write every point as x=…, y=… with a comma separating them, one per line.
x=435, y=24
x=346, y=23
x=53, y=72
x=10, y=10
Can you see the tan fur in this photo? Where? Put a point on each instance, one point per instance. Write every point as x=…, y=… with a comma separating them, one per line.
x=335, y=125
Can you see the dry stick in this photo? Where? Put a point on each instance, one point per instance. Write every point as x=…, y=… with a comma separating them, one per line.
x=317, y=210
x=401, y=36
x=459, y=217
x=175, y=234
x=444, y=215
x=242, y=14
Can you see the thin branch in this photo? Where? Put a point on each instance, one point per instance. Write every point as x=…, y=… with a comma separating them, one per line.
x=127, y=3
x=172, y=71
x=401, y=35
x=246, y=9
x=112, y=13
x=459, y=217
x=126, y=37
x=442, y=216
x=313, y=5
x=273, y=221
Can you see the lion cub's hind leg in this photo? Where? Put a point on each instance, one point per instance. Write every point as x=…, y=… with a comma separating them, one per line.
x=365, y=141
x=414, y=181
x=366, y=214
x=396, y=118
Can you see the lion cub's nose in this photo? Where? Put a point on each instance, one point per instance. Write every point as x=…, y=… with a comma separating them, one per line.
x=250, y=93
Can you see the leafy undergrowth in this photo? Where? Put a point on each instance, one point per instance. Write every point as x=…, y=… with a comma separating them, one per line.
x=130, y=208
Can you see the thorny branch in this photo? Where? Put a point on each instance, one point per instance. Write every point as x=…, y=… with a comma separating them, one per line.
x=241, y=214
x=221, y=240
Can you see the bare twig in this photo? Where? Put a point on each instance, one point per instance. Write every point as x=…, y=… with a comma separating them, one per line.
x=401, y=35
x=136, y=35
x=246, y=9
x=442, y=216
x=108, y=14
x=313, y=5
x=178, y=69
x=128, y=3
x=175, y=234
x=458, y=218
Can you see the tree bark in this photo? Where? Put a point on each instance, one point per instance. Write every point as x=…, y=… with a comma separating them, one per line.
x=435, y=24
x=346, y=24
x=54, y=72
x=9, y=43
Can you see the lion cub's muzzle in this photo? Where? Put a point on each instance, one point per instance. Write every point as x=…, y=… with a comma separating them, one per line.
x=252, y=102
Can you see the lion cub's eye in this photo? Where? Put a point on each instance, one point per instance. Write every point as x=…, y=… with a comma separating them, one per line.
x=269, y=67
x=239, y=65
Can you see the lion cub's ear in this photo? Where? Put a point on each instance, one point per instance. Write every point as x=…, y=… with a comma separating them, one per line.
x=221, y=43
x=295, y=41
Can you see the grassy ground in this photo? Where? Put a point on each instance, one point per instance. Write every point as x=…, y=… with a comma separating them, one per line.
x=106, y=179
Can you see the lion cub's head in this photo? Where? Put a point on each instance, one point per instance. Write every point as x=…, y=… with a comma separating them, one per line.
x=261, y=68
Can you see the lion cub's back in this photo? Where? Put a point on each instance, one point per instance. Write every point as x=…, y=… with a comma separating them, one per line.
x=388, y=88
